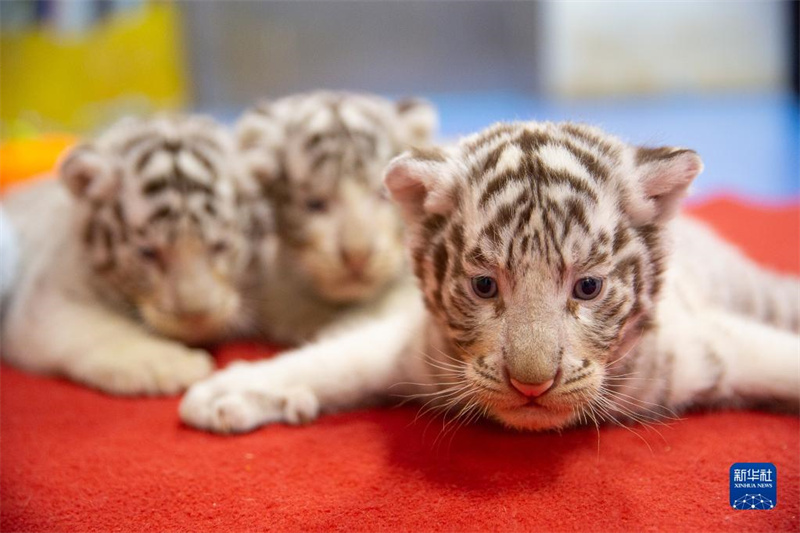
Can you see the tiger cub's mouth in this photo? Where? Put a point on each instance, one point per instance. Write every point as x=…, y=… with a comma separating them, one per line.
x=559, y=406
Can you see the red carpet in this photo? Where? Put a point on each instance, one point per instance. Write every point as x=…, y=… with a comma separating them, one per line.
x=75, y=460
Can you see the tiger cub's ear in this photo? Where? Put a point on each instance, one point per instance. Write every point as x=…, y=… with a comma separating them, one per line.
x=422, y=181
x=88, y=173
x=259, y=137
x=663, y=179
x=418, y=120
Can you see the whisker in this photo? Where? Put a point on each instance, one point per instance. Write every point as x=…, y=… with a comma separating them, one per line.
x=611, y=418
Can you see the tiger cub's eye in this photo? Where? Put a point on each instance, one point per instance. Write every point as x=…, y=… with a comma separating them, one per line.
x=149, y=253
x=587, y=288
x=316, y=205
x=484, y=286
x=219, y=247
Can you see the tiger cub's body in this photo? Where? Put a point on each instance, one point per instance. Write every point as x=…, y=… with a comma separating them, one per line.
x=139, y=250
x=338, y=253
x=559, y=288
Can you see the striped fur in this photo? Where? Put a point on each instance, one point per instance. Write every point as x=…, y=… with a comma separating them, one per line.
x=155, y=238
x=681, y=318
x=320, y=157
x=165, y=220
x=538, y=206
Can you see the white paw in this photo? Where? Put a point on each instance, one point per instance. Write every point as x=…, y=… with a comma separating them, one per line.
x=144, y=370
x=237, y=400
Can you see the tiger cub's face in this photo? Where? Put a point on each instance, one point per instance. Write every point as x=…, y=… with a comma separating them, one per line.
x=320, y=158
x=540, y=249
x=160, y=220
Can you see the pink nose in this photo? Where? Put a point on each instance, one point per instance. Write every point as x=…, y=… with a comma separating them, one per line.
x=356, y=260
x=532, y=390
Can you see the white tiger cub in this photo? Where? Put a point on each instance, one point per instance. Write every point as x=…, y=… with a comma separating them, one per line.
x=319, y=158
x=143, y=240
x=560, y=288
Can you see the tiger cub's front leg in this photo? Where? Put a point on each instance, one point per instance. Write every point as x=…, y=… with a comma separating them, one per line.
x=141, y=365
x=91, y=344
x=354, y=366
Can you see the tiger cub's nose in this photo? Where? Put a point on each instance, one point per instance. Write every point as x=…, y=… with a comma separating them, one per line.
x=532, y=390
x=356, y=259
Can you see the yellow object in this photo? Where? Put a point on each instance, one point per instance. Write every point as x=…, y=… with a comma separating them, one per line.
x=131, y=62
x=24, y=159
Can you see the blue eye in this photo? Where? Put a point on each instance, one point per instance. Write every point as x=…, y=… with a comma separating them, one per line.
x=484, y=286
x=587, y=288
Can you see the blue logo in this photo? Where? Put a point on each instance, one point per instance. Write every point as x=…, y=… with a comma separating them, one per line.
x=753, y=486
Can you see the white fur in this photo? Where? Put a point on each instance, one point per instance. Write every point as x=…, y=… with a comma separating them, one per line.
x=9, y=256
x=58, y=325
x=386, y=356
x=708, y=345
x=64, y=317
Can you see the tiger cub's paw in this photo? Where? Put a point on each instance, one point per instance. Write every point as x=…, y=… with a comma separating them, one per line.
x=144, y=370
x=242, y=398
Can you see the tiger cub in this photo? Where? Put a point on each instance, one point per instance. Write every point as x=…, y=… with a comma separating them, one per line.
x=319, y=158
x=559, y=286
x=140, y=247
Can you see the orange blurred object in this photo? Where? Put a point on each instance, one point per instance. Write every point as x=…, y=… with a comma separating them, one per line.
x=22, y=159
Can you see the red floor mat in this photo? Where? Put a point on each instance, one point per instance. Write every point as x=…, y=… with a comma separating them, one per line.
x=75, y=460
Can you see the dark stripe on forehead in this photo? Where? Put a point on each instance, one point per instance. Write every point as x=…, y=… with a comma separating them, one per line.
x=497, y=185
x=476, y=257
x=500, y=221
x=576, y=212
x=524, y=217
x=155, y=186
x=145, y=157
x=172, y=144
x=577, y=184
x=494, y=156
x=492, y=134
x=187, y=185
x=315, y=140
x=592, y=139
x=204, y=161
x=530, y=141
x=597, y=169
x=164, y=212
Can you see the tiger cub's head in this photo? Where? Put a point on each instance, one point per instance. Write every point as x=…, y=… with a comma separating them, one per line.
x=320, y=158
x=161, y=219
x=540, y=249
